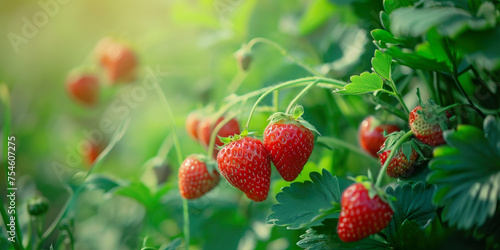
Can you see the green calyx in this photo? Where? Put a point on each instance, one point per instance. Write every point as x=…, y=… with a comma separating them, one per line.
x=407, y=147
x=432, y=113
x=294, y=117
x=372, y=190
x=233, y=138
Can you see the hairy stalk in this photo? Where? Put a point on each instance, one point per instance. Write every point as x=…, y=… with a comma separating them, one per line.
x=397, y=146
x=276, y=97
x=297, y=82
x=285, y=53
x=303, y=92
x=398, y=96
x=325, y=83
x=177, y=145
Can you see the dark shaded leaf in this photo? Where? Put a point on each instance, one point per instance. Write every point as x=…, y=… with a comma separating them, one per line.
x=305, y=204
x=467, y=173
x=325, y=237
x=449, y=21
x=413, y=202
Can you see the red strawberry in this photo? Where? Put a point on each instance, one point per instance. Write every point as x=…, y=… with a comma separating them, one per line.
x=361, y=215
x=91, y=153
x=246, y=165
x=192, y=124
x=195, y=179
x=399, y=166
x=84, y=88
x=370, y=134
x=289, y=144
x=427, y=125
x=206, y=128
x=118, y=60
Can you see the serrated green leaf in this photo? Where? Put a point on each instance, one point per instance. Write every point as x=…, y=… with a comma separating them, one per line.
x=411, y=235
x=325, y=237
x=381, y=64
x=137, y=191
x=414, y=202
x=384, y=37
x=300, y=203
x=449, y=21
x=467, y=174
x=385, y=20
x=364, y=83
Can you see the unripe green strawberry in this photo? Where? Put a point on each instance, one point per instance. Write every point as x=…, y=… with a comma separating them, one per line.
x=195, y=179
x=362, y=214
x=243, y=57
x=38, y=205
x=245, y=164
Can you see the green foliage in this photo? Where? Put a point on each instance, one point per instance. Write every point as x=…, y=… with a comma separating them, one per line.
x=381, y=64
x=137, y=191
x=447, y=49
x=467, y=173
x=325, y=237
x=413, y=209
x=449, y=21
x=306, y=204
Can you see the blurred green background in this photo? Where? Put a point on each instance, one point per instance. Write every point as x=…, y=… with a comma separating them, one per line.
x=189, y=45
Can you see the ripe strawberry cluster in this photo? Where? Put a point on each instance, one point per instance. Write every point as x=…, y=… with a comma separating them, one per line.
x=364, y=208
x=427, y=123
x=119, y=63
x=245, y=161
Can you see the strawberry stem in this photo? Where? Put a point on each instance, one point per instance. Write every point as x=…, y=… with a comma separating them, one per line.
x=326, y=83
x=286, y=85
x=303, y=92
x=456, y=105
x=179, y=160
x=398, y=96
x=398, y=144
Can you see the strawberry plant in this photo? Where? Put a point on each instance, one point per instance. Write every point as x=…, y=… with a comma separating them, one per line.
x=318, y=124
